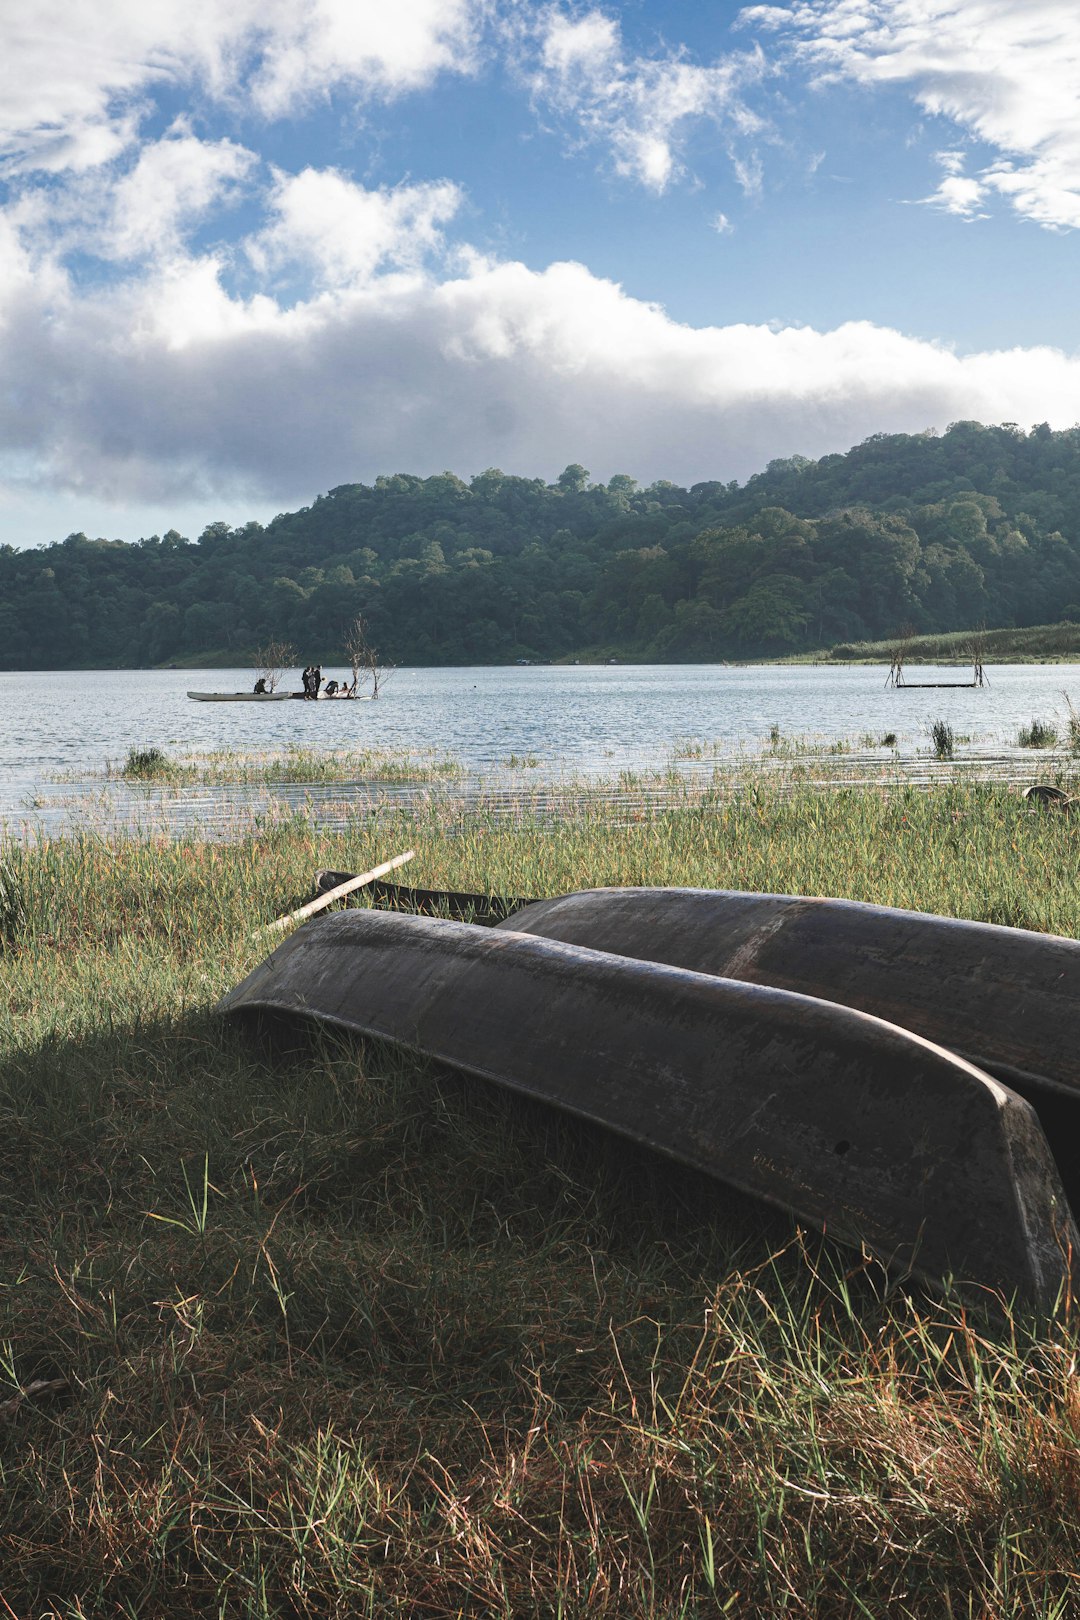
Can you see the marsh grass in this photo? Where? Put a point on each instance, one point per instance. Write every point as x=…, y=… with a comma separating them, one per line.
x=302, y=765
x=147, y=764
x=1072, y=724
x=1039, y=734
x=332, y=1333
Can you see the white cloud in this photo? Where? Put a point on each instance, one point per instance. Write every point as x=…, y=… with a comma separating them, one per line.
x=1005, y=71
x=364, y=341
x=368, y=44
x=175, y=182
x=343, y=233
x=169, y=387
x=131, y=210
x=640, y=107
x=958, y=193
x=73, y=78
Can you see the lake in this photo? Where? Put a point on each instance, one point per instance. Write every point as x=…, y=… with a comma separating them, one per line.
x=505, y=725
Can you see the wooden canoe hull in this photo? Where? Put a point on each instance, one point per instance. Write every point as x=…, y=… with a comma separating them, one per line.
x=460, y=905
x=858, y=1127
x=1005, y=998
x=268, y=697
x=243, y=697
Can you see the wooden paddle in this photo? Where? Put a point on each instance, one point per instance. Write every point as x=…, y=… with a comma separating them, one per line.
x=336, y=894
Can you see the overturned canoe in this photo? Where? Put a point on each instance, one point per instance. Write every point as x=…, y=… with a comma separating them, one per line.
x=869, y=1132
x=1005, y=998
x=460, y=905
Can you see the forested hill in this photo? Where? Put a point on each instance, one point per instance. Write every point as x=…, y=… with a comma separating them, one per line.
x=977, y=525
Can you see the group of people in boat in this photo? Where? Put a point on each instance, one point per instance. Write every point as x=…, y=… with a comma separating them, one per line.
x=313, y=681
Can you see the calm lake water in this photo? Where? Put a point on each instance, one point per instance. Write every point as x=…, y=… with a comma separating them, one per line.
x=584, y=722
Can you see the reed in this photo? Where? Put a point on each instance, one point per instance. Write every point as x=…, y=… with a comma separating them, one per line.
x=1039, y=734
x=337, y=1334
x=307, y=765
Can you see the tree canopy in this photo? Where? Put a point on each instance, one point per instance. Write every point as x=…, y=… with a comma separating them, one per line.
x=978, y=525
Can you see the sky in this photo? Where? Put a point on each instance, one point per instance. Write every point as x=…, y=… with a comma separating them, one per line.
x=252, y=251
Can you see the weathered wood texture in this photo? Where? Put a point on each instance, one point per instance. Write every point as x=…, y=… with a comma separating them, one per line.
x=1005, y=998
x=857, y=1126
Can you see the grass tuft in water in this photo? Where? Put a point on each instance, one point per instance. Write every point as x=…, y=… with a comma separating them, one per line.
x=1039, y=734
x=148, y=764
x=289, y=765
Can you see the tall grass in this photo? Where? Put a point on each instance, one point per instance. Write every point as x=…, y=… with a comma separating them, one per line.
x=1039, y=734
x=308, y=765
x=335, y=1334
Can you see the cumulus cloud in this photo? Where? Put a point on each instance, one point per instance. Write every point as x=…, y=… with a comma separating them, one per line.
x=957, y=193
x=343, y=233
x=168, y=386
x=74, y=78
x=346, y=332
x=1005, y=71
x=641, y=108
x=174, y=183
x=132, y=210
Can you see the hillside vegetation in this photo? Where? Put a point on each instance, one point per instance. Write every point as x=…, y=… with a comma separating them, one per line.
x=977, y=525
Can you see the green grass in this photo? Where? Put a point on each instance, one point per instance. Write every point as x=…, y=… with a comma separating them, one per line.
x=343, y=1335
x=1033, y=644
x=1039, y=734
x=307, y=765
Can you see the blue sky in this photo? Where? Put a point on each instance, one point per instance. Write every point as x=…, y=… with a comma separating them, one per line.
x=251, y=252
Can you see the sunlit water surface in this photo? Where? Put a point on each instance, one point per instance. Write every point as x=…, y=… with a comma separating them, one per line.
x=519, y=734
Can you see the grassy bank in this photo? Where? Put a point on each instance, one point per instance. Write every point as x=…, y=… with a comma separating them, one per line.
x=1034, y=644
x=347, y=1336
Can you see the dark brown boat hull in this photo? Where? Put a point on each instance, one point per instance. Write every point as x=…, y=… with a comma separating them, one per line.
x=1005, y=998
x=868, y=1132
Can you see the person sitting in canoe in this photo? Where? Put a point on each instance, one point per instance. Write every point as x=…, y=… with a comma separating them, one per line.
x=260, y=686
x=331, y=688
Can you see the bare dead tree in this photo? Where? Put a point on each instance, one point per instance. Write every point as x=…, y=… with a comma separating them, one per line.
x=364, y=657
x=977, y=646
x=899, y=652
x=271, y=660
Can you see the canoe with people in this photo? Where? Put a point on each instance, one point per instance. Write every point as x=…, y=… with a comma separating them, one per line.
x=314, y=690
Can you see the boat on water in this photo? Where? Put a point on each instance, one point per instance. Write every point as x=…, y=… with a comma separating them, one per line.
x=243, y=697
x=268, y=697
x=853, y=1122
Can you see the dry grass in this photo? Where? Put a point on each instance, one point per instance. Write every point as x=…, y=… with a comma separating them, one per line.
x=342, y=1335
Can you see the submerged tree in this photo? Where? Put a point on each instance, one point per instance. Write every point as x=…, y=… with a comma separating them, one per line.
x=271, y=660
x=899, y=653
x=364, y=658
x=977, y=645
